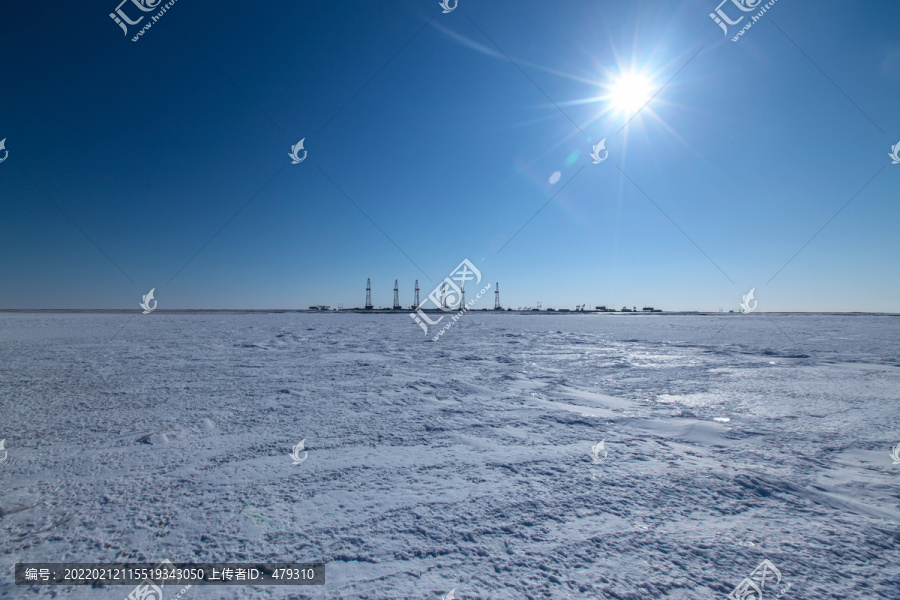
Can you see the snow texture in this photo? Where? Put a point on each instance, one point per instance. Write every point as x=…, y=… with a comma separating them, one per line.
x=463, y=463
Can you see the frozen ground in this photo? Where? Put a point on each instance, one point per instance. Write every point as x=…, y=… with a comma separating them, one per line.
x=462, y=463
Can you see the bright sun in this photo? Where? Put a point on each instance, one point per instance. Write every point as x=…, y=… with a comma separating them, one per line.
x=630, y=92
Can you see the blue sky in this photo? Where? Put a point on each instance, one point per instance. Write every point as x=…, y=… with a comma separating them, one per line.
x=164, y=162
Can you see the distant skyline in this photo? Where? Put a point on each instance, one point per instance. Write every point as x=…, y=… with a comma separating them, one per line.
x=431, y=138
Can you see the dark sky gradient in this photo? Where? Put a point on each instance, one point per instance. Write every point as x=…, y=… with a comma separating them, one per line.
x=164, y=163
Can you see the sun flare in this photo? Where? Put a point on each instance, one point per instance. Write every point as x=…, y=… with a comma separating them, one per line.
x=630, y=92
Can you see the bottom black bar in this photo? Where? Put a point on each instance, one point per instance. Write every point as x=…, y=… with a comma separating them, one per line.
x=168, y=573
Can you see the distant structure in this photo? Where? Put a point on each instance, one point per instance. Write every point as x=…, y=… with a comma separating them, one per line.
x=460, y=303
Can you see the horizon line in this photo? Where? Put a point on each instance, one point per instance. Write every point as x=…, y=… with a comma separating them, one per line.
x=437, y=310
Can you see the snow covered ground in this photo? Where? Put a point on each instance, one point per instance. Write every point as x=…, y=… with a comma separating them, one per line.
x=459, y=464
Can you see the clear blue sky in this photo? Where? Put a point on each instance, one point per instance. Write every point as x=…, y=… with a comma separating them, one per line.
x=126, y=158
